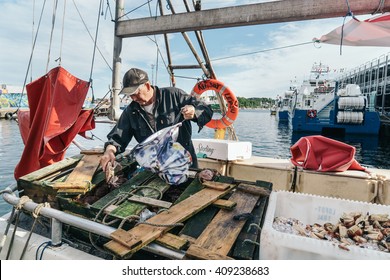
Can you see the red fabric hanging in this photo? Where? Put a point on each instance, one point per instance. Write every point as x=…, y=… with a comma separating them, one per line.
x=324, y=154
x=371, y=32
x=54, y=119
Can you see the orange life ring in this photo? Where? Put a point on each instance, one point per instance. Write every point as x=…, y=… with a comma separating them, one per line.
x=312, y=113
x=230, y=98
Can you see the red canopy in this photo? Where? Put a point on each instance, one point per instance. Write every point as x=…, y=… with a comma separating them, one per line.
x=324, y=154
x=54, y=119
x=371, y=32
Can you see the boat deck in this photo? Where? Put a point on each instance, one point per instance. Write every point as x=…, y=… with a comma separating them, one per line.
x=217, y=219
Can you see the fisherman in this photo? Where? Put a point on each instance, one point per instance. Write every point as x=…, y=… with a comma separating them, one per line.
x=153, y=109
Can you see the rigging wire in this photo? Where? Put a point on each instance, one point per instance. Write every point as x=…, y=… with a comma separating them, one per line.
x=108, y=8
x=261, y=51
x=62, y=33
x=90, y=35
x=94, y=50
x=349, y=13
x=31, y=54
x=151, y=39
x=155, y=41
x=32, y=34
x=380, y=7
x=53, y=21
x=140, y=6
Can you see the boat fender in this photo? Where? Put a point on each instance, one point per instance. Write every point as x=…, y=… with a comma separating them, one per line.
x=312, y=113
x=230, y=98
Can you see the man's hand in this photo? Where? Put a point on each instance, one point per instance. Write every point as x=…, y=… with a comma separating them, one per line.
x=108, y=156
x=188, y=112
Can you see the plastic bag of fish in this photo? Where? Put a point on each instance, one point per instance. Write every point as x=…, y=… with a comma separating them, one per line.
x=161, y=154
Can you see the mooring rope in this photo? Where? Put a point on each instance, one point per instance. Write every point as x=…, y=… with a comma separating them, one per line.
x=35, y=213
x=24, y=199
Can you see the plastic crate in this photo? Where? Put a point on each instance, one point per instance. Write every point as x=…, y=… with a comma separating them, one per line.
x=310, y=209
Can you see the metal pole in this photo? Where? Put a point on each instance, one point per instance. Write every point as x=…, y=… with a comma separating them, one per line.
x=59, y=217
x=384, y=84
x=117, y=65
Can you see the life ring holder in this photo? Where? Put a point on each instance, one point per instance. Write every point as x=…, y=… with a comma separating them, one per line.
x=312, y=113
x=230, y=98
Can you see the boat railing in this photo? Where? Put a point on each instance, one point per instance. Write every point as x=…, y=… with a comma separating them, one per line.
x=58, y=218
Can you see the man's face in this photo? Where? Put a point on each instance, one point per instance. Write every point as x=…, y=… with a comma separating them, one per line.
x=142, y=95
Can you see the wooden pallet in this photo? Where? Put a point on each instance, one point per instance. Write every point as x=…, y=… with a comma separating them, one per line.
x=218, y=238
x=125, y=243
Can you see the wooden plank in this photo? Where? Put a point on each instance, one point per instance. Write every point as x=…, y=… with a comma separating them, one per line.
x=172, y=241
x=48, y=170
x=248, y=239
x=143, y=234
x=190, y=239
x=81, y=176
x=225, y=204
x=220, y=235
x=92, y=152
x=216, y=185
x=150, y=201
x=109, y=209
x=196, y=224
x=246, y=246
x=253, y=190
x=97, y=179
x=85, y=185
x=198, y=252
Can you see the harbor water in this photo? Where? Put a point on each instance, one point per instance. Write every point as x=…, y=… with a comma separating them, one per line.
x=269, y=138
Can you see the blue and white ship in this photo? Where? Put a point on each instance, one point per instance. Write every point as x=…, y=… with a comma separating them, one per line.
x=323, y=106
x=284, y=104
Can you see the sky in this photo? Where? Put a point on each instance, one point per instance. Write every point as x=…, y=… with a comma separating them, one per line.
x=283, y=52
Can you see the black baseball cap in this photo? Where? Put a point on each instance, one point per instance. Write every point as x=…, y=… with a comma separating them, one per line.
x=132, y=80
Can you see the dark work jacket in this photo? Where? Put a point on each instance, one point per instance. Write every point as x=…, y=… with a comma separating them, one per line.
x=134, y=121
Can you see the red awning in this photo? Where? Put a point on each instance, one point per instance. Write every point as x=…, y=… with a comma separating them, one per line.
x=324, y=154
x=370, y=32
x=54, y=119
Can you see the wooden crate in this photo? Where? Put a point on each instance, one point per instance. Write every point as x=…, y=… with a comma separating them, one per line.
x=40, y=185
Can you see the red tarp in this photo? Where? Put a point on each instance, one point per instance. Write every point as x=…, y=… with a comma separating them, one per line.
x=54, y=119
x=324, y=154
x=371, y=32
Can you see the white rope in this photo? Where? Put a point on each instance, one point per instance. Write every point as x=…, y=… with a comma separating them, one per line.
x=24, y=199
x=37, y=210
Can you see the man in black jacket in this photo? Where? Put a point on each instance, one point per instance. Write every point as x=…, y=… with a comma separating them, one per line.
x=153, y=109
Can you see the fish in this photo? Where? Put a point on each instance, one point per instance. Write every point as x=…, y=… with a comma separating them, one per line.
x=111, y=178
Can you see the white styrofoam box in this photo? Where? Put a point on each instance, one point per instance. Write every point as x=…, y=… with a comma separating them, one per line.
x=310, y=209
x=383, y=176
x=371, y=186
x=223, y=149
x=279, y=172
